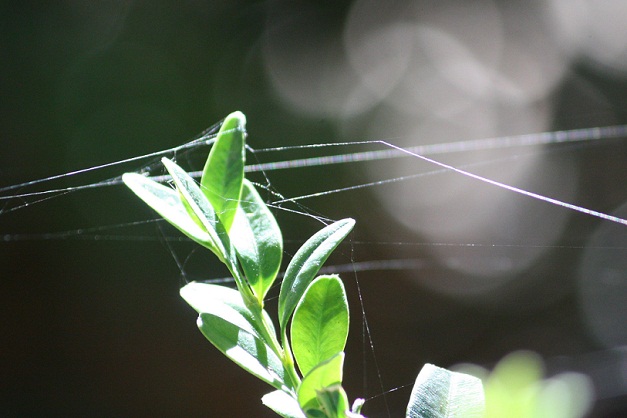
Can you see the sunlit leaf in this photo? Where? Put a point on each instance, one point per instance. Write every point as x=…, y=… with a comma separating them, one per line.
x=204, y=213
x=257, y=239
x=224, y=170
x=324, y=375
x=356, y=408
x=283, y=404
x=243, y=347
x=167, y=203
x=306, y=264
x=333, y=401
x=226, y=303
x=201, y=211
x=320, y=323
x=440, y=393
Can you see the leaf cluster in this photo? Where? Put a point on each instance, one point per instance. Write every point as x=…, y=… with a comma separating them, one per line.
x=226, y=214
x=303, y=359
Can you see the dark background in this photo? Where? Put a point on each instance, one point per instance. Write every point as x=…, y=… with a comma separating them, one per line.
x=93, y=324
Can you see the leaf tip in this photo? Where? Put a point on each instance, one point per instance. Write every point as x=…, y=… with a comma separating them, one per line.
x=236, y=121
x=239, y=116
x=127, y=178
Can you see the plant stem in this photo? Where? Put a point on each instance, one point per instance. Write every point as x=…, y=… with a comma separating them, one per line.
x=289, y=358
x=284, y=354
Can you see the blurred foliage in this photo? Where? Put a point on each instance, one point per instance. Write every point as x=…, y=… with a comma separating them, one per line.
x=517, y=388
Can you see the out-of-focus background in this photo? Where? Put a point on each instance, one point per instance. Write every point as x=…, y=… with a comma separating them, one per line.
x=93, y=326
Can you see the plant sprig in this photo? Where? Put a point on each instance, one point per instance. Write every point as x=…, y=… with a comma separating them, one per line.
x=225, y=214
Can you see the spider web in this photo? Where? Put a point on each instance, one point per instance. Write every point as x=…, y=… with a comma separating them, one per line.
x=268, y=167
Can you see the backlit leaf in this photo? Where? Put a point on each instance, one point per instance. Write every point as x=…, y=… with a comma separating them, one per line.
x=201, y=210
x=167, y=203
x=440, y=393
x=324, y=375
x=224, y=170
x=244, y=348
x=320, y=323
x=333, y=401
x=306, y=264
x=283, y=404
x=257, y=239
x=224, y=302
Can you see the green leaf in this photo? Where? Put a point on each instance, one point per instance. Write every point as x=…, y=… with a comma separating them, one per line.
x=320, y=324
x=514, y=385
x=167, y=203
x=324, y=375
x=201, y=210
x=283, y=404
x=333, y=401
x=222, y=176
x=257, y=239
x=440, y=393
x=226, y=303
x=306, y=263
x=243, y=347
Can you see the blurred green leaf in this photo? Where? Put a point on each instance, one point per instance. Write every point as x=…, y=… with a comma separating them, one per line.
x=517, y=384
x=513, y=385
x=257, y=239
x=567, y=395
x=223, y=173
x=440, y=393
x=320, y=324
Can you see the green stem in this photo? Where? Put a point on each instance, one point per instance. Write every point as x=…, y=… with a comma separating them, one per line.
x=289, y=358
x=284, y=353
x=288, y=363
x=249, y=298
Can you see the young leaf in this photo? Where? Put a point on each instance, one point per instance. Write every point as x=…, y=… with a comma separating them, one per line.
x=167, y=202
x=324, y=375
x=257, y=239
x=334, y=401
x=201, y=209
x=306, y=263
x=244, y=348
x=320, y=323
x=283, y=404
x=439, y=393
x=356, y=408
x=222, y=176
x=203, y=212
x=226, y=303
